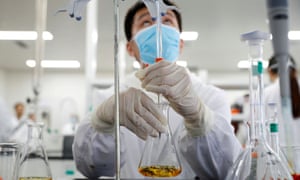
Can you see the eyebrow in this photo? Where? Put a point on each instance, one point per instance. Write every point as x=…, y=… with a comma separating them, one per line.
x=143, y=15
x=170, y=13
x=148, y=14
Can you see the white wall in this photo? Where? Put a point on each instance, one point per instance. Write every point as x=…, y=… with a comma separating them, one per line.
x=2, y=83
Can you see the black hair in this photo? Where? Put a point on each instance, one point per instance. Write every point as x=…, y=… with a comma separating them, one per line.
x=273, y=64
x=138, y=6
x=294, y=86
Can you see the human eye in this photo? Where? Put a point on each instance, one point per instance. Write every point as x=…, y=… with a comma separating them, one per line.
x=146, y=23
x=167, y=20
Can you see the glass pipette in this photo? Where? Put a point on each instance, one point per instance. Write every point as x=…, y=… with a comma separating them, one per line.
x=159, y=158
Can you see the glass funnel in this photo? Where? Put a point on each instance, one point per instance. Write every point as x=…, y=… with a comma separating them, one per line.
x=34, y=161
x=160, y=158
x=257, y=161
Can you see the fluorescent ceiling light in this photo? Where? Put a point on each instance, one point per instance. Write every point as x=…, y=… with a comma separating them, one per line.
x=54, y=63
x=245, y=64
x=294, y=35
x=189, y=35
x=23, y=35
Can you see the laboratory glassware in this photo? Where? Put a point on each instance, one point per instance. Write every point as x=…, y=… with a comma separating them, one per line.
x=295, y=166
x=160, y=158
x=257, y=161
x=34, y=161
x=272, y=127
x=9, y=160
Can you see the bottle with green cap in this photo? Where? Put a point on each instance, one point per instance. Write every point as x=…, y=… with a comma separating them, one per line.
x=272, y=126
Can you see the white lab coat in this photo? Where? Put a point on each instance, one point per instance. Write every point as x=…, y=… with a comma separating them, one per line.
x=7, y=122
x=208, y=157
x=272, y=95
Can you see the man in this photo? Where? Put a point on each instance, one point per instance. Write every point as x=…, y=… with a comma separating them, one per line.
x=199, y=113
x=19, y=110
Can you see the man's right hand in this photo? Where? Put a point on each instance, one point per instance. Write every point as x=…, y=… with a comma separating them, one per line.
x=138, y=113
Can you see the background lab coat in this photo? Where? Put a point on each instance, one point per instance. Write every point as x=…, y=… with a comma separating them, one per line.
x=208, y=157
x=7, y=122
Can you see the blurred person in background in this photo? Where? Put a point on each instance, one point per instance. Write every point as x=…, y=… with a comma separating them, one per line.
x=19, y=108
x=20, y=132
x=7, y=122
x=272, y=95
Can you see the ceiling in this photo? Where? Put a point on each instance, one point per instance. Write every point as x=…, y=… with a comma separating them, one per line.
x=219, y=24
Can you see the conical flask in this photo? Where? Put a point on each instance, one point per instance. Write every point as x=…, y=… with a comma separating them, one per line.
x=34, y=161
x=272, y=127
x=160, y=158
x=257, y=161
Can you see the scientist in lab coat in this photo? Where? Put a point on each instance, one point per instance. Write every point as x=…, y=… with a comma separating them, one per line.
x=272, y=95
x=7, y=123
x=199, y=114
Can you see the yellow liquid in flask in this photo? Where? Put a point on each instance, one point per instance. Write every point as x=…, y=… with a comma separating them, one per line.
x=35, y=178
x=160, y=171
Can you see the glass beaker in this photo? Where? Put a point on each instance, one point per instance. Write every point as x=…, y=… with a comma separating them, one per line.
x=34, y=161
x=258, y=161
x=9, y=161
x=160, y=158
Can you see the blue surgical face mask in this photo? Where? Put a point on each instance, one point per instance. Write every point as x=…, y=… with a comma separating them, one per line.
x=146, y=42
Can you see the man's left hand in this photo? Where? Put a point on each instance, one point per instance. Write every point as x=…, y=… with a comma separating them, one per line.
x=174, y=83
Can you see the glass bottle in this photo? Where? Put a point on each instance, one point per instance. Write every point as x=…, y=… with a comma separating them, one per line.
x=160, y=158
x=258, y=161
x=272, y=126
x=34, y=161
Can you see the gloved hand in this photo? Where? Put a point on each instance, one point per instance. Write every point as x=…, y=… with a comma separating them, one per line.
x=138, y=113
x=174, y=83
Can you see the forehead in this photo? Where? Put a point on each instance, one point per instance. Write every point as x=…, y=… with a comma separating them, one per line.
x=144, y=13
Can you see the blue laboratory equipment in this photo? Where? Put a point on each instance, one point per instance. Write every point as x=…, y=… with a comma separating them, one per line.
x=75, y=8
x=257, y=161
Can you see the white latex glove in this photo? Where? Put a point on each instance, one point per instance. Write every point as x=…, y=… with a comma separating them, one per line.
x=138, y=113
x=174, y=83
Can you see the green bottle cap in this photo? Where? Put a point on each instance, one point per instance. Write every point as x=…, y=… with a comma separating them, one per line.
x=260, y=67
x=273, y=127
x=257, y=68
x=69, y=172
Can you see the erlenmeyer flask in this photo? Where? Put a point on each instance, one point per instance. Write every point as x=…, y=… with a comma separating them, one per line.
x=160, y=158
x=258, y=161
x=272, y=127
x=34, y=161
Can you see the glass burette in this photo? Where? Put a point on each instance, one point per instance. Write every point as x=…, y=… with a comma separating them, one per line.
x=257, y=161
x=159, y=158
